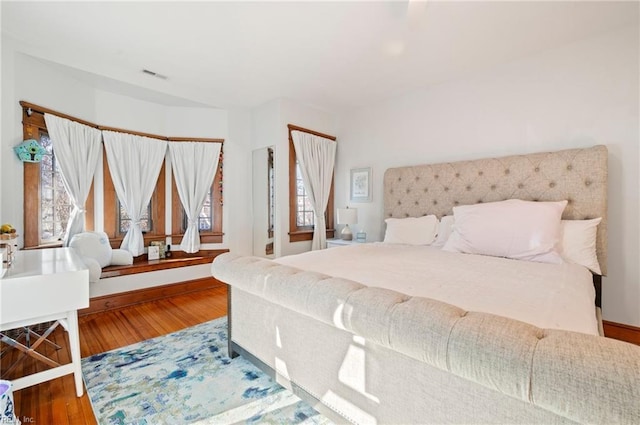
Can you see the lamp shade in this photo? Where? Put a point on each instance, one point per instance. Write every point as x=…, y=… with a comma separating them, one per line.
x=347, y=215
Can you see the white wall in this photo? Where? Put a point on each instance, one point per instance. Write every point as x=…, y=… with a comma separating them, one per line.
x=577, y=95
x=27, y=78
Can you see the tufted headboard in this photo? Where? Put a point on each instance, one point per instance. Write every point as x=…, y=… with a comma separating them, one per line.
x=577, y=175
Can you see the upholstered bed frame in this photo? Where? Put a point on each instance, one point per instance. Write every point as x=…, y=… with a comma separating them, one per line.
x=577, y=175
x=369, y=355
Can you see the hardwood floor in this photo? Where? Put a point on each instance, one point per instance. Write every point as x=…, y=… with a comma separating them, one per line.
x=55, y=401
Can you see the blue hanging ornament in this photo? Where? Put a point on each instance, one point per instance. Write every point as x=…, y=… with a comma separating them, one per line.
x=30, y=151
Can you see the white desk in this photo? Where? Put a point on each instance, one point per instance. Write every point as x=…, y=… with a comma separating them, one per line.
x=41, y=286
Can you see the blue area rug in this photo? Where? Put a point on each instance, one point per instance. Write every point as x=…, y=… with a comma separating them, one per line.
x=186, y=377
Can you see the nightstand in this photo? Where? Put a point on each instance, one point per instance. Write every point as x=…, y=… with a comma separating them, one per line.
x=332, y=243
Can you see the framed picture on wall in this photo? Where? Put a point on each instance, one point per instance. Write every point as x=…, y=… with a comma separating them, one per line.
x=360, y=187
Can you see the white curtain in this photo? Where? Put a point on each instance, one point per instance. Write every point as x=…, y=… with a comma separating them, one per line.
x=134, y=163
x=77, y=150
x=316, y=156
x=194, y=166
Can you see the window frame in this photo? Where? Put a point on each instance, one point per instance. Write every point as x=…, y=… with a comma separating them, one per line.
x=215, y=235
x=110, y=200
x=32, y=124
x=305, y=233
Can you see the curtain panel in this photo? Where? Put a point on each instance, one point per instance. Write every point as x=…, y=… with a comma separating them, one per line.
x=77, y=151
x=316, y=156
x=194, y=166
x=135, y=163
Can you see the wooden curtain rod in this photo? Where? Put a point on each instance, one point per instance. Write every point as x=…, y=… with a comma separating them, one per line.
x=42, y=110
x=306, y=130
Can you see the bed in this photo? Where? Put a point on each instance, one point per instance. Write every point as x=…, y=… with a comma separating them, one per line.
x=500, y=341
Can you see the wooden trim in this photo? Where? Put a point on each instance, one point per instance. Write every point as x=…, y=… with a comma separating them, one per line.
x=142, y=264
x=194, y=139
x=41, y=110
x=123, y=299
x=621, y=332
x=298, y=234
x=292, y=127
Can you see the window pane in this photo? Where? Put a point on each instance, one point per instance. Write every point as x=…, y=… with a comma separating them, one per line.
x=205, y=219
x=55, y=204
x=304, y=214
x=124, y=221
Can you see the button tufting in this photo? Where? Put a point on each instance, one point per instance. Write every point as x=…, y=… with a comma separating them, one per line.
x=537, y=169
x=587, y=183
x=399, y=179
x=507, y=171
x=569, y=167
x=417, y=178
x=426, y=189
x=520, y=186
x=493, y=187
x=435, y=202
x=552, y=184
x=480, y=173
x=457, y=174
x=479, y=201
x=468, y=188
x=406, y=215
x=456, y=203
x=408, y=190
x=416, y=203
x=436, y=176
x=446, y=189
x=399, y=202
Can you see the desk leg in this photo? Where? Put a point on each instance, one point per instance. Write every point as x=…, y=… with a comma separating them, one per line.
x=74, y=346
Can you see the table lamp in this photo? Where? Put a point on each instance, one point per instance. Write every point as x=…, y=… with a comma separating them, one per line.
x=347, y=216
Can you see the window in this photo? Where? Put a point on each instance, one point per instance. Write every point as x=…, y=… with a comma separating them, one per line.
x=116, y=223
x=301, y=220
x=47, y=206
x=210, y=218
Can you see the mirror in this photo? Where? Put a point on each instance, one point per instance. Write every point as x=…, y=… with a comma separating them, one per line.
x=263, y=202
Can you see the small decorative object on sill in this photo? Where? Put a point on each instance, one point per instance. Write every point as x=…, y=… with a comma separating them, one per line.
x=361, y=236
x=167, y=252
x=30, y=151
x=153, y=252
x=161, y=247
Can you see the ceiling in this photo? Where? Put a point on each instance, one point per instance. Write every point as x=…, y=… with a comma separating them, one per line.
x=334, y=55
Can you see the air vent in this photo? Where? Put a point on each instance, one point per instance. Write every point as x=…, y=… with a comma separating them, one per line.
x=154, y=74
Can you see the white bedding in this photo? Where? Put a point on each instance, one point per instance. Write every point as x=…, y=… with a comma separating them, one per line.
x=552, y=296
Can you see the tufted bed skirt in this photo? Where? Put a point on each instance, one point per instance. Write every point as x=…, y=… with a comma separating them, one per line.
x=374, y=356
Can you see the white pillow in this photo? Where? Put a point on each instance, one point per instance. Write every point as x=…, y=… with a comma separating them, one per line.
x=517, y=229
x=445, y=227
x=93, y=245
x=411, y=230
x=579, y=243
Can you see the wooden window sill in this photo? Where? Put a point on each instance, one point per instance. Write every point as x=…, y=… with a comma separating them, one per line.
x=307, y=235
x=178, y=259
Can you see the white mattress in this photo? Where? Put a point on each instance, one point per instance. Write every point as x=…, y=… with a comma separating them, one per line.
x=550, y=296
